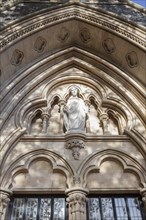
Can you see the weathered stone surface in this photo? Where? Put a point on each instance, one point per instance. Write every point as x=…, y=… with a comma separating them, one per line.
x=60, y=141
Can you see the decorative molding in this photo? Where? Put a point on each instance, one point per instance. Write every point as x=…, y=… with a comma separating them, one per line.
x=63, y=34
x=85, y=35
x=109, y=45
x=75, y=145
x=40, y=44
x=132, y=59
x=73, y=13
x=17, y=57
x=104, y=138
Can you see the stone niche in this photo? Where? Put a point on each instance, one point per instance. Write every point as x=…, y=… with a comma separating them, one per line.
x=98, y=120
x=40, y=174
x=111, y=175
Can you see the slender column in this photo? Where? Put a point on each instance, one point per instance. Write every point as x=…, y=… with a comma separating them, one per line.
x=45, y=120
x=77, y=203
x=88, y=117
x=4, y=202
x=104, y=119
x=61, y=106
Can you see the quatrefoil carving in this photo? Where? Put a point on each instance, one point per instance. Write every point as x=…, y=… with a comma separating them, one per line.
x=17, y=57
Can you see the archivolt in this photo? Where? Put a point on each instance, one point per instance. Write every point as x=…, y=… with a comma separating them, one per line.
x=111, y=80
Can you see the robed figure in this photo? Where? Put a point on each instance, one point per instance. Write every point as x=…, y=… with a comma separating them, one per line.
x=75, y=112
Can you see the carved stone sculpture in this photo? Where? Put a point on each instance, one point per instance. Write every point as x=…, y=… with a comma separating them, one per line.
x=109, y=45
x=64, y=34
x=75, y=145
x=77, y=203
x=75, y=112
x=40, y=44
x=132, y=59
x=85, y=35
x=17, y=57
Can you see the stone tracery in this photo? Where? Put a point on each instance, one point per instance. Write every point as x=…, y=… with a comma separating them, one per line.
x=33, y=122
x=51, y=118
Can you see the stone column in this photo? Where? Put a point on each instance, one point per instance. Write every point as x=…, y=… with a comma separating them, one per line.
x=143, y=194
x=4, y=202
x=61, y=106
x=88, y=130
x=45, y=121
x=104, y=120
x=77, y=203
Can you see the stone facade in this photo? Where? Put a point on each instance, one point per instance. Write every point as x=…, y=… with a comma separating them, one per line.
x=43, y=56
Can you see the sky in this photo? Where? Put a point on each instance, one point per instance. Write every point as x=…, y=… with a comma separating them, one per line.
x=140, y=2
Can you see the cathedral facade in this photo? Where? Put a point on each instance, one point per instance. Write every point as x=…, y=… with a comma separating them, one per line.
x=73, y=110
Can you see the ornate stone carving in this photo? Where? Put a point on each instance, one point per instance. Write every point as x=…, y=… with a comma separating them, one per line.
x=132, y=59
x=64, y=34
x=4, y=201
x=71, y=14
x=77, y=203
x=75, y=145
x=40, y=44
x=17, y=57
x=75, y=111
x=85, y=35
x=108, y=45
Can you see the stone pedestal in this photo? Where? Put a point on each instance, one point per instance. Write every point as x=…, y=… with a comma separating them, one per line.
x=4, y=202
x=77, y=203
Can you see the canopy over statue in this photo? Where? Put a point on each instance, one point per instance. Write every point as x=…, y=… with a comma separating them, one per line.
x=75, y=111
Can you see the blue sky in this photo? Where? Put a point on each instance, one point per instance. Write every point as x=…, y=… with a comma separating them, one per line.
x=140, y=2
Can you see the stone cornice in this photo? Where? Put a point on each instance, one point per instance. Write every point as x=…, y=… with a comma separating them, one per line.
x=26, y=27
x=88, y=137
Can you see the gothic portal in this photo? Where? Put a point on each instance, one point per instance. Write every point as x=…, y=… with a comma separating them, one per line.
x=73, y=110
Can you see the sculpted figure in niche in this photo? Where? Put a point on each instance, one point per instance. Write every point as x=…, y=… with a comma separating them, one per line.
x=75, y=111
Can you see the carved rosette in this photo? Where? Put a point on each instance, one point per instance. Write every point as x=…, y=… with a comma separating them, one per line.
x=4, y=201
x=85, y=35
x=64, y=34
x=17, y=57
x=77, y=203
x=40, y=44
x=108, y=45
x=132, y=59
x=75, y=145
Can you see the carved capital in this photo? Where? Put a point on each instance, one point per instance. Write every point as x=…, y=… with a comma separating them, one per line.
x=4, y=201
x=75, y=145
x=77, y=203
